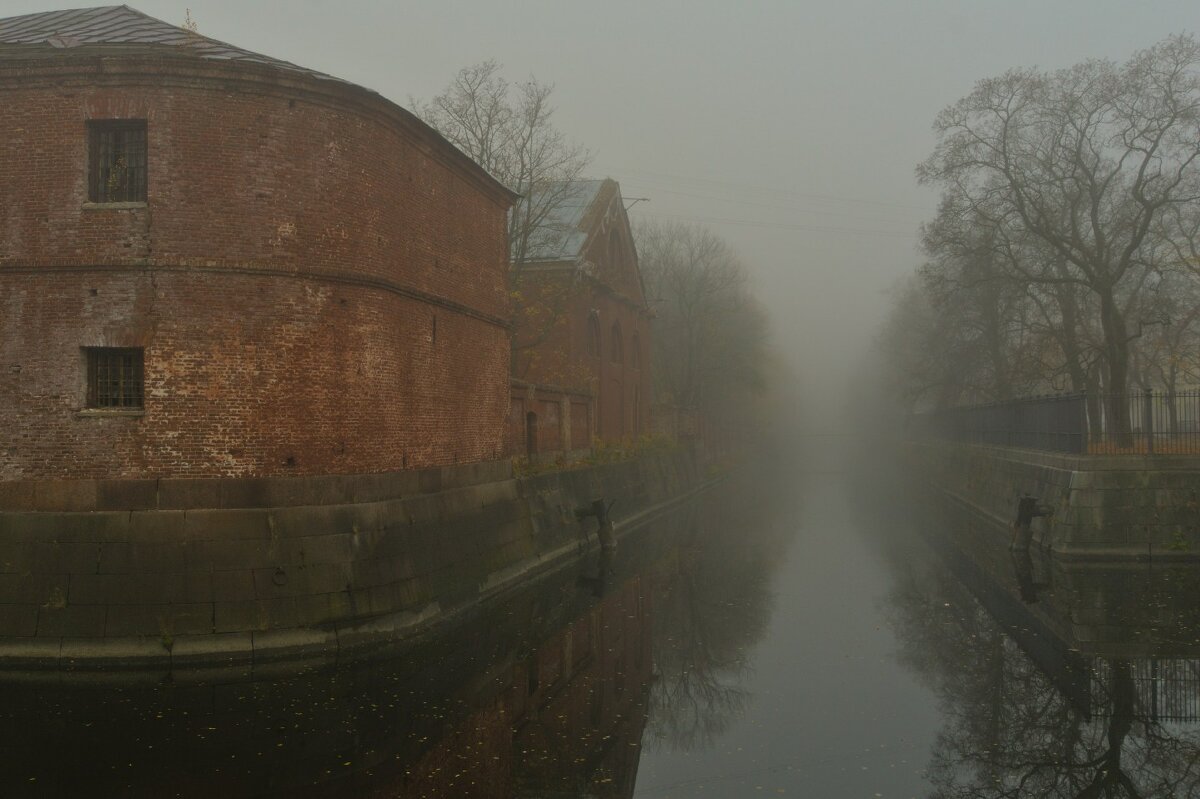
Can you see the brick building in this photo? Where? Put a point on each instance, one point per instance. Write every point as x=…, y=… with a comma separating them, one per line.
x=581, y=359
x=217, y=264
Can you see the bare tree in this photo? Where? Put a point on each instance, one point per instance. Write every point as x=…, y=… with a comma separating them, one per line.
x=927, y=357
x=710, y=334
x=509, y=130
x=1037, y=336
x=1086, y=161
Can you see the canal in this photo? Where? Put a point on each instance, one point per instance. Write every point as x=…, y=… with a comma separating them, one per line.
x=802, y=635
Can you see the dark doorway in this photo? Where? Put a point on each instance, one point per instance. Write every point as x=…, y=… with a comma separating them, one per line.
x=531, y=433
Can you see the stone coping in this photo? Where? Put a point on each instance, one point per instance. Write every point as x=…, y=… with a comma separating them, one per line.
x=218, y=493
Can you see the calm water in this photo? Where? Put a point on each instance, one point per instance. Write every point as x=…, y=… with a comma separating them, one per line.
x=803, y=639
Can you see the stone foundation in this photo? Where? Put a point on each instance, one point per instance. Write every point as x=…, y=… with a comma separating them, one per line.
x=225, y=571
x=1104, y=506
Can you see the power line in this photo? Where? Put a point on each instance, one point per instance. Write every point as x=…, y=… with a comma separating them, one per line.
x=716, y=220
x=776, y=190
x=775, y=206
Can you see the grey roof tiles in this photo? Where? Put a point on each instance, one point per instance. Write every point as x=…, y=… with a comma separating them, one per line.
x=122, y=25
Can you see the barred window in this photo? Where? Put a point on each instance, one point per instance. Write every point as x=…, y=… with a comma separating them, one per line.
x=117, y=161
x=114, y=378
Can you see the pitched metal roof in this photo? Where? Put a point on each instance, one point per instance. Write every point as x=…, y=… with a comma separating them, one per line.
x=122, y=25
x=561, y=234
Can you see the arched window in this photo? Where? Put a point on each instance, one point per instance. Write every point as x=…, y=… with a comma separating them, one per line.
x=614, y=249
x=618, y=344
x=635, y=357
x=593, y=335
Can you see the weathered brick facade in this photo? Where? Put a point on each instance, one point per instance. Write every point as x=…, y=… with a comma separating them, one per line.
x=593, y=337
x=317, y=279
x=561, y=424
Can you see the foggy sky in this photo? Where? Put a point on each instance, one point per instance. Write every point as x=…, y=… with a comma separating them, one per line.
x=791, y=127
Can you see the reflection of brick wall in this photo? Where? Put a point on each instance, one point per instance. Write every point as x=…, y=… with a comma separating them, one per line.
x=475, y=759
x=568, y=719
x=583, y=703
x=302, y=242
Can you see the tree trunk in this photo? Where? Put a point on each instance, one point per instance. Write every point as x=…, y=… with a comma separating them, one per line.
x=1083, y=380
x=1116, y=348
x=1094, y=410
x=1001, y=384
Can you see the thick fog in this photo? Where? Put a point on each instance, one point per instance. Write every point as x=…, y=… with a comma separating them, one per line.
x=791, y=128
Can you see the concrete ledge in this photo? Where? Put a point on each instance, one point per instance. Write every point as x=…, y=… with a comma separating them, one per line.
x=138, y=653
x=299, y=644
x=386, y=629
x=39, y=653
x=225, y=649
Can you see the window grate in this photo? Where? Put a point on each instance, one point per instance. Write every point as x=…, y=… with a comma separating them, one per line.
x=117, y=161
x=115, y=378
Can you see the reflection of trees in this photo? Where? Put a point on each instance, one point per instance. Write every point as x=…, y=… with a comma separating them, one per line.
x=1009, y=731
x=712, y=604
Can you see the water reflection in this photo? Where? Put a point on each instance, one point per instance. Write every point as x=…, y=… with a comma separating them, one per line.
x=1051, y=679
x=712, y=605
x=546, y=694
x=1054, y=679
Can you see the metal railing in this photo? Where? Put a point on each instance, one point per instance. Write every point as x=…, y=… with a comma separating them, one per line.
x=1165, y=689
x=1133, y=423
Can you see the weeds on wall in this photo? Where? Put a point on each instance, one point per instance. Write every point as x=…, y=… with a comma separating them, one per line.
x=602, y=452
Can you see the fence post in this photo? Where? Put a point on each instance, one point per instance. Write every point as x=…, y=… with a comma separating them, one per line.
x=1085, y=435
x=1148, y=419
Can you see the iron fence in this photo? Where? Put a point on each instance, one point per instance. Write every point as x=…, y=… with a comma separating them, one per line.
x=1138, y=422
x=1164, y=689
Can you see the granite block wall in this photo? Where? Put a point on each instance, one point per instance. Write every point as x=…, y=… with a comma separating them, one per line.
x=1104, y=506
x=226, y=571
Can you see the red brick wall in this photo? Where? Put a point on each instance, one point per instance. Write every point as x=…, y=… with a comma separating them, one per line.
x=555, y=432
x=581, y=425
x=563, y=359
x=623, y=411
x=615, y=383
x=549, y=426
x=299, y=238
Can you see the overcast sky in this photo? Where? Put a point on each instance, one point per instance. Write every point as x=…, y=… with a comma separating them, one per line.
x=792, y=128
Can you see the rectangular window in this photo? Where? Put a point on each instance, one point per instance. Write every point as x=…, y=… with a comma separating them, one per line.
x=114, y=378
x=117, y=161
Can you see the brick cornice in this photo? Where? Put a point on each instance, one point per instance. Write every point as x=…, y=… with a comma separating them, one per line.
x=66, y=70
x=321, y=275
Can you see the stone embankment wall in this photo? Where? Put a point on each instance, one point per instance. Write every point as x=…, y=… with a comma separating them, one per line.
x=198, y=572
x=1104, y=506
x=1111, y=608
